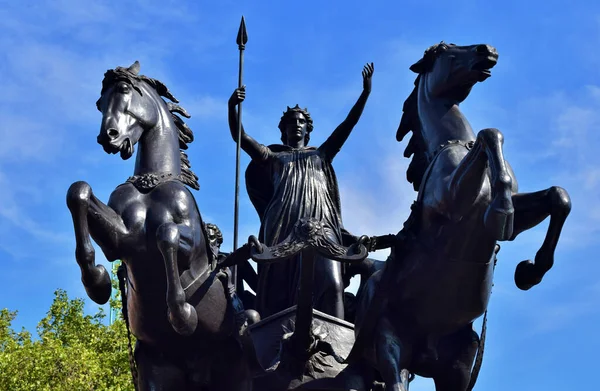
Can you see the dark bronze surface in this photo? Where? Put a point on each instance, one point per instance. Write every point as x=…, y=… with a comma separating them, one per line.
x=417, y=313
x=413, y=314
x=178, y=307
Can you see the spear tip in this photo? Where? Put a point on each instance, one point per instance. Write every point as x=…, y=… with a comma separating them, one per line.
x=242, y=36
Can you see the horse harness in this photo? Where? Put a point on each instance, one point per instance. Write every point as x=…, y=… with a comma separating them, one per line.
x=436, y=153
x=147, y=182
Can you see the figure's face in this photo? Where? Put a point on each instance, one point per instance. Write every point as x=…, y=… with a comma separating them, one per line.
x=213, y=238
x=295, y=128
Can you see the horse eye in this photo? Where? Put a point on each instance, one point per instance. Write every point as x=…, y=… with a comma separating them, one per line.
x=124, y=88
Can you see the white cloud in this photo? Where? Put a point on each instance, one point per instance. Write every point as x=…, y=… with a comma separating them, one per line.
x=25, y=138
x=48, y=119
x=380, y=212
x=206, y=107
x=549, y=317
x=13, y=214
x=574, y=123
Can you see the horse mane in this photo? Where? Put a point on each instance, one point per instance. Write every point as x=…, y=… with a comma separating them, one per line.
x=416, y=146
x=186, y=135
x=410, y=120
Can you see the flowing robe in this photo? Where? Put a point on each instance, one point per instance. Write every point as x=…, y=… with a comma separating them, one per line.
x=286, y=184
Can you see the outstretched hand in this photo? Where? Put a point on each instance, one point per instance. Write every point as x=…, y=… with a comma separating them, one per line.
x=238, y=96
x=367, y=74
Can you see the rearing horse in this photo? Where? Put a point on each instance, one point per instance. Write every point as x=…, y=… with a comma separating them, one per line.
x=416, y=314
x=152, y=223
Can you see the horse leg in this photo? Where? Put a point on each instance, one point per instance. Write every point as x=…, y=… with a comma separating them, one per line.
x=457, y=353
x=155, y=372
x=392, y=357
x=231, y=371
x=182, y=315
x=468, y=178
x=92, y=217
x=530, y=210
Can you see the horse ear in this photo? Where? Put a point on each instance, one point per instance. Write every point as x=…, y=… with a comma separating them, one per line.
x=419, y=66
x=134, y=68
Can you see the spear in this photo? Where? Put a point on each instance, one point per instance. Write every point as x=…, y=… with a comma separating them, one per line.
x=242, y=38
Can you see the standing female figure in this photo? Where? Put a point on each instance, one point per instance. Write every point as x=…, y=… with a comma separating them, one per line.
x=290, y=181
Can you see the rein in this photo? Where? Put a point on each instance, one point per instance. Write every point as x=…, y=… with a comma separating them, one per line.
x=122, y=276
x=480, y=349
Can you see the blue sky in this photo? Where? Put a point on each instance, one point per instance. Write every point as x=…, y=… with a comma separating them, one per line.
x=544, y=96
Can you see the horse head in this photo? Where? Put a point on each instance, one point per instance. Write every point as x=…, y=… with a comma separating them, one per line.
x=124, y=114
x=450, y=71
x=130, y=104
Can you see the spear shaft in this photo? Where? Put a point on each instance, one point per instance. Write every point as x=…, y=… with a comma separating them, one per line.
x=241, y=40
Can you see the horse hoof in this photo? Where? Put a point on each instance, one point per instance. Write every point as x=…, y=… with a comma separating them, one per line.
x=186, y=321
x=500, y=222
x=526, y=275
x=97, y=284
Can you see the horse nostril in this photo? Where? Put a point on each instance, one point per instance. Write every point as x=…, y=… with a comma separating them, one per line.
x=112, y=133
x=482, y=49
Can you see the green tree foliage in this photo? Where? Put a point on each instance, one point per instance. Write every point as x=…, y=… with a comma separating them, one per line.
x=74, y=351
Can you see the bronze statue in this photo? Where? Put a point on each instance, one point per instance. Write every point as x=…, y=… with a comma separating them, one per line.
x=290, y=181
x=176, y=305
x=416, y=314
x=413, y=314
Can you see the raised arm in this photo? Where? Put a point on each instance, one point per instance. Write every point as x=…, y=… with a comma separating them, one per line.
x=334, y=143
x=256, y=150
